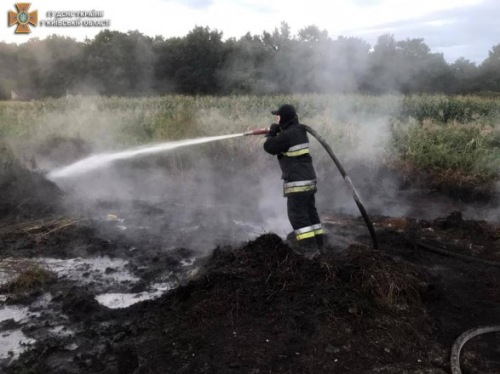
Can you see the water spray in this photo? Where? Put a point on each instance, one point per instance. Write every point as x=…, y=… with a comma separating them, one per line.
x=104, y=159
x=342, y=171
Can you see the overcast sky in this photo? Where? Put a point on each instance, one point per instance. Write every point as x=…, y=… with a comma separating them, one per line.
x=456, y=28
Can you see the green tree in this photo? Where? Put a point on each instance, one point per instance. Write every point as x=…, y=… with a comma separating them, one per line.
x=200, y=57
x=116, y=63
x=9, y=69
x=381, y=77
x=308, y=56
x=349, y=61
x=490, y=70
x=465, y=76
x=244, y=69
x=168, y=61
x=58, y=62
x=406, y=67
x=279, y=65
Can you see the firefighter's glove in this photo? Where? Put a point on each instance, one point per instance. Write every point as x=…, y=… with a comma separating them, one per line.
x=274, y=129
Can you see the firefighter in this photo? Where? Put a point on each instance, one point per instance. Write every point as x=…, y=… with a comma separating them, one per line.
x=288, y=140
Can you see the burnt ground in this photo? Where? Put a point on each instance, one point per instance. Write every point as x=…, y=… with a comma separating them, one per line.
x=257, y=307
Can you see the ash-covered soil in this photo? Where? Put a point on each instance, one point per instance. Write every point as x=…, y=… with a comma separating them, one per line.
x=254, y=307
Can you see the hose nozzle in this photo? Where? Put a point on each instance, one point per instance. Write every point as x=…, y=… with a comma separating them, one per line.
x=262, y=131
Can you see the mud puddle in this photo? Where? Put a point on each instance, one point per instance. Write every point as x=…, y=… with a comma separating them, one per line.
x=42, y=317
x=141, y=265
x=167, y=286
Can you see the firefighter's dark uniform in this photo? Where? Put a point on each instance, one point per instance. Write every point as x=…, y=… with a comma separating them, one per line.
x=291, y=145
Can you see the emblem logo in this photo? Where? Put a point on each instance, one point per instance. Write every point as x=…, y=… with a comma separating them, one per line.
x=23, y=18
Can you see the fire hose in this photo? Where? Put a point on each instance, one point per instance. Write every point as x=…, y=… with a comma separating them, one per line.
x=464, y=338
x=342, y=171
x=469, y=334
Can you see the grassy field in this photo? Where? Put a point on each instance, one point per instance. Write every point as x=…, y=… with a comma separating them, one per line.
x=456, y=137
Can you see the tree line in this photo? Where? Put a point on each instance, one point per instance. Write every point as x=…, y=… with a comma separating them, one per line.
x=202, y=63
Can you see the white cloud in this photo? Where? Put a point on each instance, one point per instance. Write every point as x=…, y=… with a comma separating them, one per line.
x=237, y=17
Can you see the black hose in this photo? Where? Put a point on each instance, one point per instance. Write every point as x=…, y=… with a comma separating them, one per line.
x=464, y=338
x=469, y=334
x=466, y=258
x=348, y=181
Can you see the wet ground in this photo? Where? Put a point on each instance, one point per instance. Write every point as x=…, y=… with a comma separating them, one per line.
x=161, y=295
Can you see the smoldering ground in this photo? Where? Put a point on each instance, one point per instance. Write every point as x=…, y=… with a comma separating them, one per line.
x=153, y=214
x=258, y=305
x=230, y=190
x=211, y=194
x=182, y=197
x=221, y=194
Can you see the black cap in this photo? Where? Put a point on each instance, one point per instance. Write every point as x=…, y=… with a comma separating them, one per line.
x=286, y=111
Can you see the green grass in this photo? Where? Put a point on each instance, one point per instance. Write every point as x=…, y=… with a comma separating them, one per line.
x=26, y=276
x=448, y=109
x=430, y=132
x=471, y=149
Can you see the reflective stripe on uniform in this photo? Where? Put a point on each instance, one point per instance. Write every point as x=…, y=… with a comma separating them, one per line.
x=299, y=189
x=311, y=182
x=318, y=229
x=300, y=186
x=297, y=150
x=304, y=233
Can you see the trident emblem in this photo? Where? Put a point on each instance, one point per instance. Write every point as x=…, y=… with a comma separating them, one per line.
x=23, y=18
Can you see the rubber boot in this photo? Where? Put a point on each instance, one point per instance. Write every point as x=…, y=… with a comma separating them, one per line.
x=320, y=242
x=309, y=247
x=291, y=237
x=291, y=241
